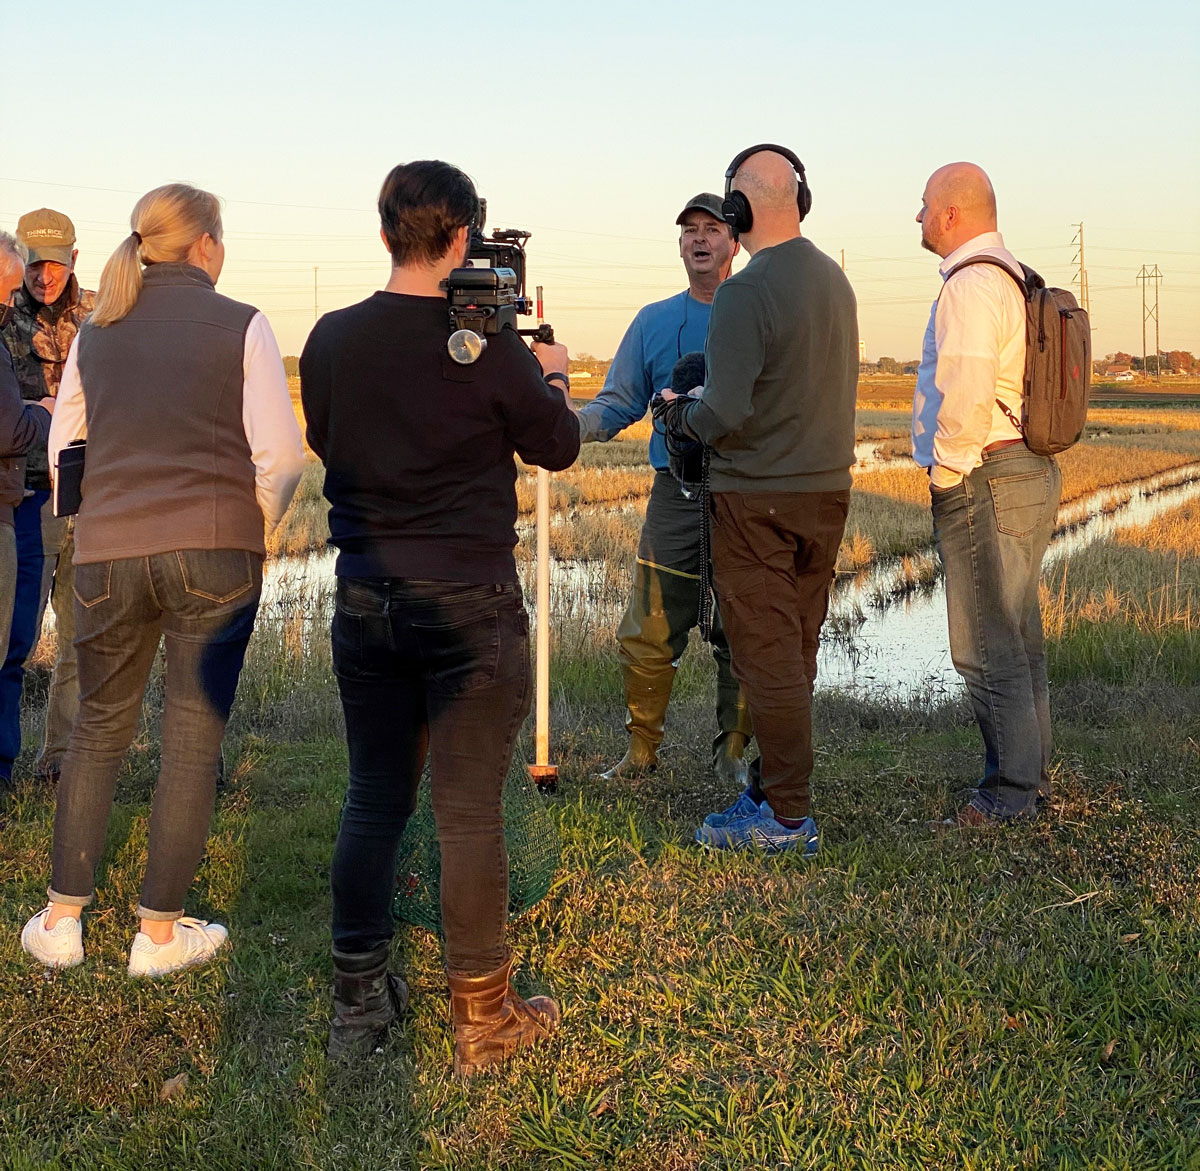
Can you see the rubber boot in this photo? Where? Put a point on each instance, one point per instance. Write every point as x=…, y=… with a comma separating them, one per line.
x=733, y=720
x=646, y=697
x=728, y=766
x=366, y=999
x=491, y=1022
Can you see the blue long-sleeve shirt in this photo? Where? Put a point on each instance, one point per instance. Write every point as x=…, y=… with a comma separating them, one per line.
x=659, y=336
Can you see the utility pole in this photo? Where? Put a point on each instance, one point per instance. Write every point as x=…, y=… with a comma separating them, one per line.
x=1147, y=275
x=1081, y=275
x=314, y=292
x=843, y=260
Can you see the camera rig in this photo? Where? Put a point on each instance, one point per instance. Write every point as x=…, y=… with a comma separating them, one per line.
x=482, y=300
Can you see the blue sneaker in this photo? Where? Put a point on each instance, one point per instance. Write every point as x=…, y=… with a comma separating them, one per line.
x=761, y=831
x=744, y=806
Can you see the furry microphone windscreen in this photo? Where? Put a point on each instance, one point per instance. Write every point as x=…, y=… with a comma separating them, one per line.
x=688, y=372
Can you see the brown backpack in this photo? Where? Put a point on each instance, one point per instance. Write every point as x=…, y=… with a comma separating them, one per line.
x=1058, y=362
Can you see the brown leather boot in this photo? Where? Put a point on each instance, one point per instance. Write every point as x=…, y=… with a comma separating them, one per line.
x=491, y=1022
x=366, y=999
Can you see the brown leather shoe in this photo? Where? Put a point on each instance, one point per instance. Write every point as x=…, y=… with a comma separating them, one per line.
x=366, y=999
x=491, y=1022
x=966, y=817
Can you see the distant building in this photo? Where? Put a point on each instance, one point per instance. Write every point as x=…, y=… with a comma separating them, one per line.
x=862, y=351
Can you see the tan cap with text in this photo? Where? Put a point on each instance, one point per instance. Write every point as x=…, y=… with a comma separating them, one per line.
x=49, y=235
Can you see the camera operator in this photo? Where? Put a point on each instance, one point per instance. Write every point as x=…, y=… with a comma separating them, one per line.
x=430, y=636
x=777, y=409
x=665, y=602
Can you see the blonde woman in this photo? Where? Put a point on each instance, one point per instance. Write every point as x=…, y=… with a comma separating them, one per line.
x=192, y=445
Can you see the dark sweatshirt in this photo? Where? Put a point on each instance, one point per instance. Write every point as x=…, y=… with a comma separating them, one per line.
x=782, y=355
x=22, y=426
x=418, y=450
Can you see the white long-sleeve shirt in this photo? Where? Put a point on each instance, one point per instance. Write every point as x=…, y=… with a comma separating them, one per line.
x=972, y=355
x=267, y=416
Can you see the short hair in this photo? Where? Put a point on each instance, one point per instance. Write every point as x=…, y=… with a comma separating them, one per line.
x=13, y=247
x=421, y=205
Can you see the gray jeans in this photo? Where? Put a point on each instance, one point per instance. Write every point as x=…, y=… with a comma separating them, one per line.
x=991, y=532
x=202, y=602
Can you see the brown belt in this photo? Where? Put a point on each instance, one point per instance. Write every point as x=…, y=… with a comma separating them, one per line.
x=1000, y=445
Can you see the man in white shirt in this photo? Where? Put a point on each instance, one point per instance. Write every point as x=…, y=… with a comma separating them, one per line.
x=994, y=501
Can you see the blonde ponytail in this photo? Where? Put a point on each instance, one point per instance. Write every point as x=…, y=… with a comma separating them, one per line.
x=166, y=222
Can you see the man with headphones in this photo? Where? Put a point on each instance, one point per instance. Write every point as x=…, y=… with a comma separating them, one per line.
x=665, y=602
x=777, y=412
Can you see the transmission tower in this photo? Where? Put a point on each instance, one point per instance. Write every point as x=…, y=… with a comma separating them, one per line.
x=1080, y=278
x=1147, y=275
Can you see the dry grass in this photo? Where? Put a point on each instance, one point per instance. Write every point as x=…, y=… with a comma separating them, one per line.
x=1145, y=579
x=1176, y=532
x=1089, y=467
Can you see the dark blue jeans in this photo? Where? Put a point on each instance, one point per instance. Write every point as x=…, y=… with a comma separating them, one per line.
x=202, y=602
x=437, y=668
x=991, y=532
x=23, y=631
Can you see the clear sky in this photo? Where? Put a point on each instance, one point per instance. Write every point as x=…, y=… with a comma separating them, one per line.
x=591, y=125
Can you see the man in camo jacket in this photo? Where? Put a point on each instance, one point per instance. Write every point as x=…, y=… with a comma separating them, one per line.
x=48, y=310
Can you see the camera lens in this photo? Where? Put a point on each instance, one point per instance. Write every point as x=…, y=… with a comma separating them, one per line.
x=465, y=346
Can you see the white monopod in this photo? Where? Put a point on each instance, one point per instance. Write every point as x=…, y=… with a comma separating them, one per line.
x=543, y=772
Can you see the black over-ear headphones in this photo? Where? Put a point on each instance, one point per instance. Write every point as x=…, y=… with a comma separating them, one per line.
x=736, y=210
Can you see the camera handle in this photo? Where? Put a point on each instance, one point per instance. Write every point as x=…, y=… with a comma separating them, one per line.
x=543, y=333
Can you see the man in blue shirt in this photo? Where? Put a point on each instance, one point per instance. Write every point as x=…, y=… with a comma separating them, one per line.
x=666, y=587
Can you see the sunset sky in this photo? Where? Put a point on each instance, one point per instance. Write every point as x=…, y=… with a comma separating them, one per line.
x=591, y=125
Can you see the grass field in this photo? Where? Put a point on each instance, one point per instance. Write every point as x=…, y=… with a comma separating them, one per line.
x=911, y=999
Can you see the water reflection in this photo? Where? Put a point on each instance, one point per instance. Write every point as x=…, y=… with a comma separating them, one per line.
x=886, y=632
x=886, y=639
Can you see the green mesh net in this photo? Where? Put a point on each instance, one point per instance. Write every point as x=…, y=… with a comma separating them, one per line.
x=534, y=852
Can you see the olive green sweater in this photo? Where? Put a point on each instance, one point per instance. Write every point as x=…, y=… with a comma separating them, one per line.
x=782, y=357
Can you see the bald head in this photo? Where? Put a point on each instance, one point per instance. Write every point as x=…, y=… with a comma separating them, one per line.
x=768, y=180
x=958, y=204
x=769, y=184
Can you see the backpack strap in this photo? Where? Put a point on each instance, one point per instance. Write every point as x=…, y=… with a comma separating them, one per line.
x=1028, y=287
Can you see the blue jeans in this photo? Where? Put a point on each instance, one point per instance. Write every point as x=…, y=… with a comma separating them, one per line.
x=24, y=625
x=438, y=669
x=203, y=603
x=991, y=531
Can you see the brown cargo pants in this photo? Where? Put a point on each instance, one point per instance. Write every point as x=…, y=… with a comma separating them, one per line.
x=774, y=555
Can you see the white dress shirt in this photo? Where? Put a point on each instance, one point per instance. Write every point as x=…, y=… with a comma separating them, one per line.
x=267, y=417
x=972, y=355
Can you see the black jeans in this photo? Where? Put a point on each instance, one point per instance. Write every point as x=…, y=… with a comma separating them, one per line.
x=437, y=668
x=203, y=603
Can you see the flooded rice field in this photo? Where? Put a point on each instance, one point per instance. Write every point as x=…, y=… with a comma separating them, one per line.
x=884, y=636
x=886, y=633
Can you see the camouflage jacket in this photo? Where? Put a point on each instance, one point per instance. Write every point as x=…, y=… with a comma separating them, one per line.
x=38, y=337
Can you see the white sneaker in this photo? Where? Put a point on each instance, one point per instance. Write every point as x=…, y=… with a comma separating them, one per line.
x=60, y=947
x=195, y=942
